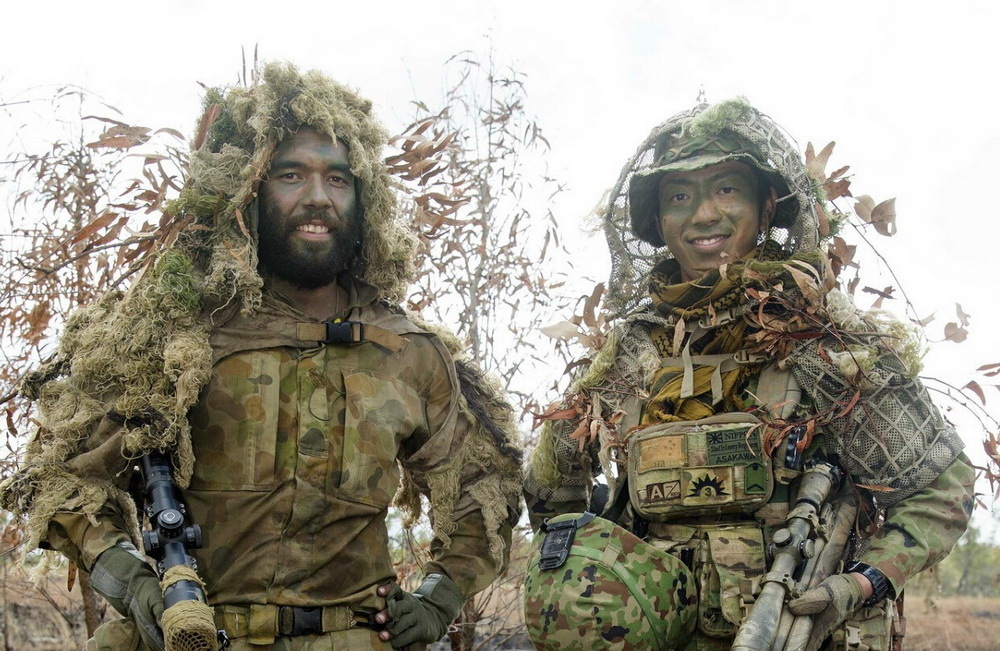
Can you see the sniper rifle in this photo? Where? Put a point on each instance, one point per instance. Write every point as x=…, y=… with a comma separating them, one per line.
x=808, y=549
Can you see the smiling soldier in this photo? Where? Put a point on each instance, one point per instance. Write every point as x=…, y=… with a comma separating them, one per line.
x=739, y=381
x=265, y=352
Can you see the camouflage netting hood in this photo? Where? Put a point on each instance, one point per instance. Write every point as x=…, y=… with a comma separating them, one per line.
x=705, y=135
x=137, y=360
x=891, y=438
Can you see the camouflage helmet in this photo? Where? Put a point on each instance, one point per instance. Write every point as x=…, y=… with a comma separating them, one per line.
x=703, y=136
x=593, y=585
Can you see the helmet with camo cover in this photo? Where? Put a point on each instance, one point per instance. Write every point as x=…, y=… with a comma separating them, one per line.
x=695, y=139
x=613, y=591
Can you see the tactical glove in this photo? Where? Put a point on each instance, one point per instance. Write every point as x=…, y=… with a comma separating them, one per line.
x=423, y=616
x=126, y=580
x=830, y=603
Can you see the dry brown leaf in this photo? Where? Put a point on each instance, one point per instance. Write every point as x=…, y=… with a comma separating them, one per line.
x=863, y=208
x=843, y=251
x=208, y=118
x=590, y=306
x=926, y=320
x=679, y=330
x=561, y=330
x=98, y=223
x=121, y=137
x=883, y=217
x=955, y=332
x=990, y=370
x=806, y=284
x=974, y=387
x=824, y=219
x=816, y=163
x=71, y=576
x=873, y=487
x=963, y=318
x=881, y=293
x=837, y=188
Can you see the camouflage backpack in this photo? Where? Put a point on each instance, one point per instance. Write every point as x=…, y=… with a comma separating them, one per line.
x=592, y=585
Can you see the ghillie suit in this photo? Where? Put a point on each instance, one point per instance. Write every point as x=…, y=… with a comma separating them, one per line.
x=135, y=363
x=660, y=412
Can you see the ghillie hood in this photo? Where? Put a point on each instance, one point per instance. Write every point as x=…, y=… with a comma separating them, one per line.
x=233, y=149
x=694, y=139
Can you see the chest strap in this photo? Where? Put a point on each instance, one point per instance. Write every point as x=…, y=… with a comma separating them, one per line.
x=721, y=363
x=348, y=332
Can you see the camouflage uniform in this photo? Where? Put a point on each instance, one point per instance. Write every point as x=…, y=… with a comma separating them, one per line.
x=287, y=450
x=296, y=450
x=713, y=506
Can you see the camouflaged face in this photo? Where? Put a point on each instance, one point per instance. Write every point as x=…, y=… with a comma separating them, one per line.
x=586, y=604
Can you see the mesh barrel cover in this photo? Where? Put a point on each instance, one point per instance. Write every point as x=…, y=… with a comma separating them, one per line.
x=613, y=591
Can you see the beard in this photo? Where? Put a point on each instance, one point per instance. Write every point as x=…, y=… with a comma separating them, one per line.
x=306, y=264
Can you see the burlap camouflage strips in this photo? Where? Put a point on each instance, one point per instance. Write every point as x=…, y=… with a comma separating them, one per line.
x=614, y=592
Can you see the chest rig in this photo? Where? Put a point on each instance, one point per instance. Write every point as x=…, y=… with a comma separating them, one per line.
x=714, y=465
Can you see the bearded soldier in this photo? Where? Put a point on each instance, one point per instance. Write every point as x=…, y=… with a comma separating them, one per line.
x=265, y=354
x=737, y=374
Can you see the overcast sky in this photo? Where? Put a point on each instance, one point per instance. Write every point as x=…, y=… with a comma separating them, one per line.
x=907, y=91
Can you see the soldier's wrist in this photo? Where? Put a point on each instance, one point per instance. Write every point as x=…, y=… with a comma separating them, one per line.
x=866, y=585
x=881, y=587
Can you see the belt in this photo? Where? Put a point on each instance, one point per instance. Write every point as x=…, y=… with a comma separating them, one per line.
x=262, y=623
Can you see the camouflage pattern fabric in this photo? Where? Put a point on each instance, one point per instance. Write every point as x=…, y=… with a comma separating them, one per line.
x=613, y=592
x=918, y=531
x=298, y=455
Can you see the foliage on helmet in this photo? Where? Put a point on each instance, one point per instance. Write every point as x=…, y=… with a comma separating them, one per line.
x=752, y=137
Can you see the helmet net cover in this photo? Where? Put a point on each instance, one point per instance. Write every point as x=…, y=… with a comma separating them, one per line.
x=632, y=258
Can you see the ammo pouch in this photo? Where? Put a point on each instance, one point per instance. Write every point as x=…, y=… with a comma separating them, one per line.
x=872, y=628
x=712, y=466
x=727, y=560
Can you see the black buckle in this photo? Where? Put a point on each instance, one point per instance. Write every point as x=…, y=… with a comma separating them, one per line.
x=558, y=539
x=344, y=332
x=294, y=620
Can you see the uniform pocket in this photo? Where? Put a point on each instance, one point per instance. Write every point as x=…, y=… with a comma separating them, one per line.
x=381, y=413
x=235, y=424
x=735, y=559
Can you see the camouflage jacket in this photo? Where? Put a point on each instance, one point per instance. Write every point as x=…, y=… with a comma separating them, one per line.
x=297, y=445
x=917, y=532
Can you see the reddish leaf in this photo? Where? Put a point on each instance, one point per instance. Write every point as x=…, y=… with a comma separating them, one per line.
x=974, y=387
x=838, y=188
x=98, y=223
x=121, y=137
x=990, y=370
x=208, y=118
